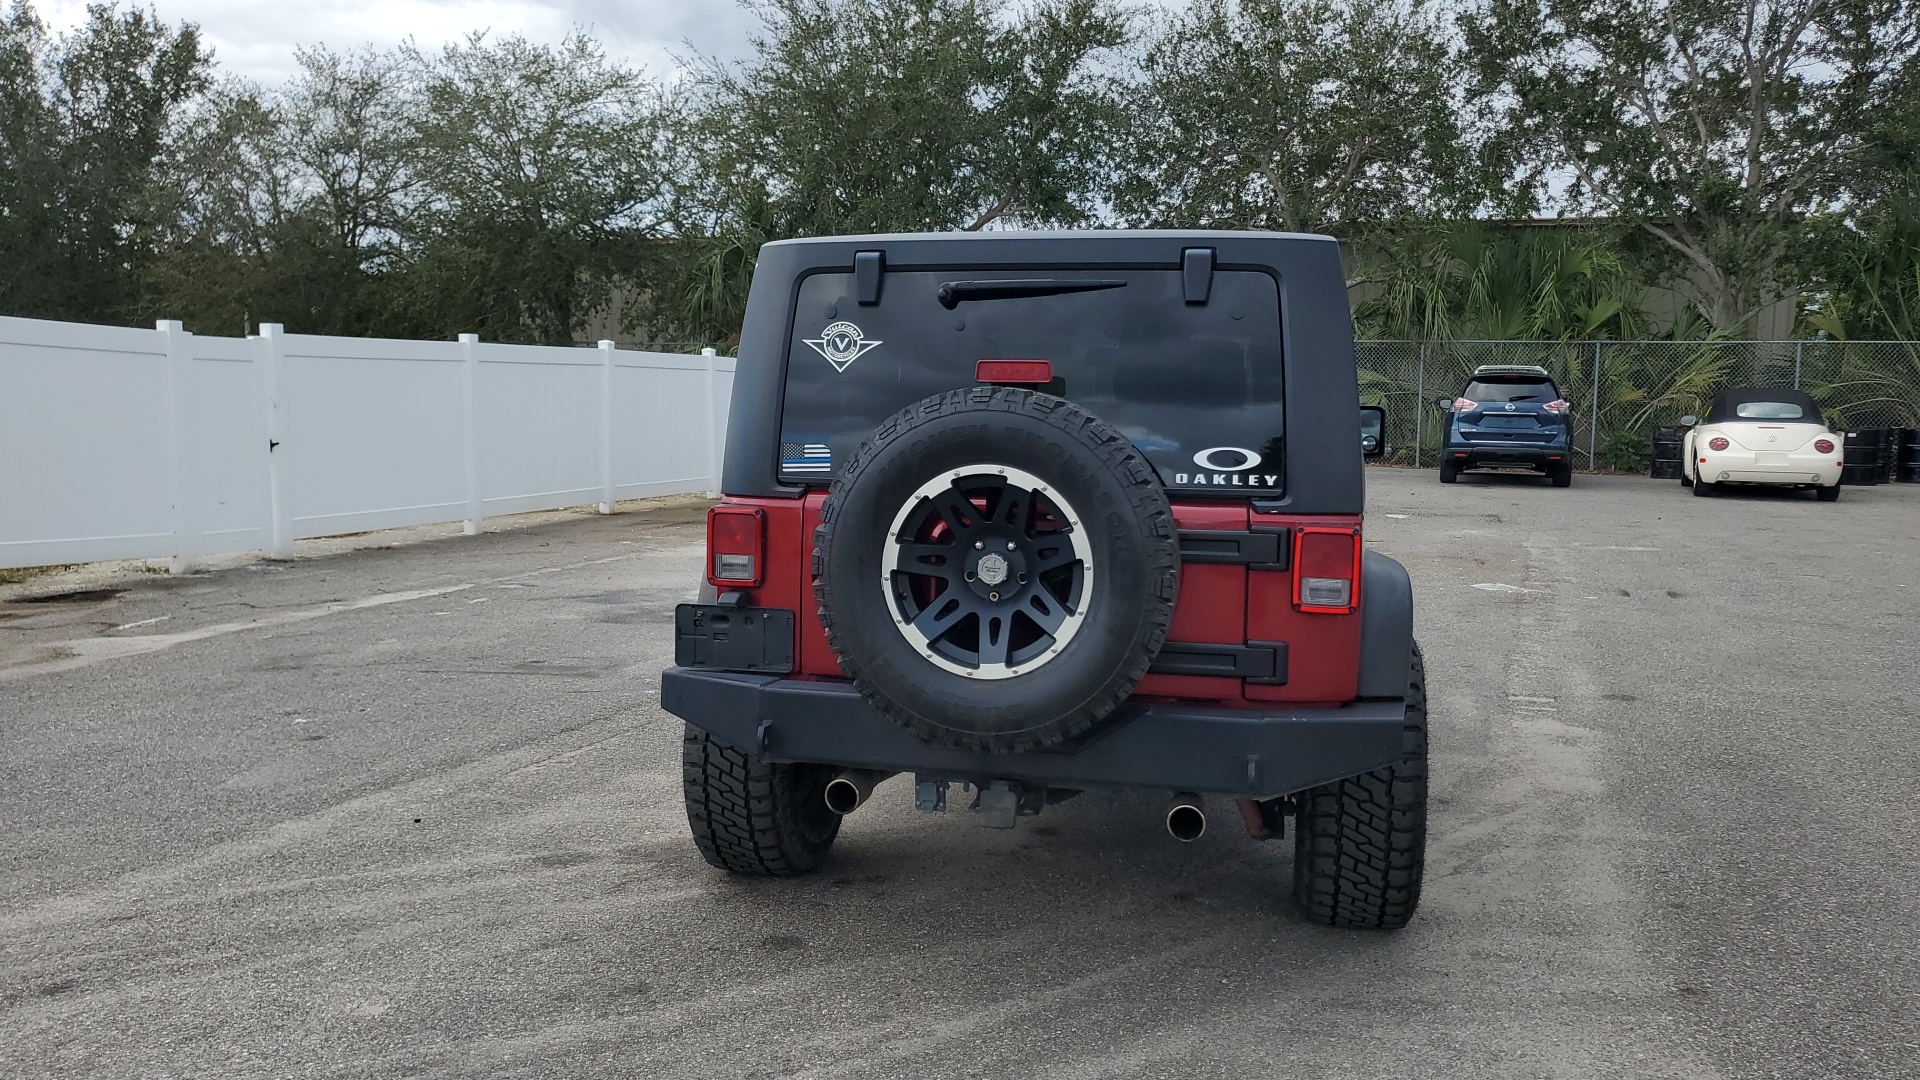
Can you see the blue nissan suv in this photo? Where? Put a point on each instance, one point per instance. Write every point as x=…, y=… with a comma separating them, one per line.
x=1510, y=416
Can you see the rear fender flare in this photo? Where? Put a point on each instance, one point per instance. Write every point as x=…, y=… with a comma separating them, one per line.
x=1386, y=627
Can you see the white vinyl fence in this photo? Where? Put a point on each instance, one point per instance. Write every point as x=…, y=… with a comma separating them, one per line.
x=118, y=443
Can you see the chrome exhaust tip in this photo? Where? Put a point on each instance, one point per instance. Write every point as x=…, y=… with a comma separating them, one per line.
x=1186, y=818
x=849, y=790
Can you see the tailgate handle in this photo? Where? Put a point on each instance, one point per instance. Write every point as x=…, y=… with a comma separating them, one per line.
x=1268, y=549
x=1262, y=662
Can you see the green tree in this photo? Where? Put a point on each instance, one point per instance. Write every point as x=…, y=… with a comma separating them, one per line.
x=29, y=171
x=291, y=206
x=1322, y=115
x=1714, y=126
x=858, y=116
x=863, y=115
x=540, y=173
x=85, y=121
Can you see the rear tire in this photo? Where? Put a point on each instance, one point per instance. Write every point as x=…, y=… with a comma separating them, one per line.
x=1828, y=494
x=1360, y=844
x=1702, y=489
x=1448, y=474
x=1563, y=476
x=753, y=816
x=1686, y=481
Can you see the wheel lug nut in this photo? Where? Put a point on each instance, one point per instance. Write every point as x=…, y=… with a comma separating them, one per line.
x=1009, y=545
x=978, y=544
x=968, y=575
x=993, y=596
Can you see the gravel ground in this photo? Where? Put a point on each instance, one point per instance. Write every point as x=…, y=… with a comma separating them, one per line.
x=415, y=811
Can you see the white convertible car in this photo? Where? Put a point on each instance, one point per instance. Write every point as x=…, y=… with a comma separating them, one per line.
x=1762, y=436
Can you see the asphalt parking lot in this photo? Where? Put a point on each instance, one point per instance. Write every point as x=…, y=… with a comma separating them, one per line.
x=416, y=812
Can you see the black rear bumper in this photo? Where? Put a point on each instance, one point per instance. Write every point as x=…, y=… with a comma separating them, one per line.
x=1477, y=454
x=1241, y=753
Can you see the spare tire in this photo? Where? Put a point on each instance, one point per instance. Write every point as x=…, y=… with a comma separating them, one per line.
x=996, y=568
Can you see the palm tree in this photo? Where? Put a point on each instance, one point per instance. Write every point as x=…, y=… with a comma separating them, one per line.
x=1875, y=294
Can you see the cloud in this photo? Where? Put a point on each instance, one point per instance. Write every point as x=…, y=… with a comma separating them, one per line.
x=257, y=39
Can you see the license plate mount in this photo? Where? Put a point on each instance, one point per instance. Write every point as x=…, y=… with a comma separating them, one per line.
x=733, y=638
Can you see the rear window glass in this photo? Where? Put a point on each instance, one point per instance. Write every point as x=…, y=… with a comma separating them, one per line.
x=1510, y=388
x=1187, y=383
x=1768, y=410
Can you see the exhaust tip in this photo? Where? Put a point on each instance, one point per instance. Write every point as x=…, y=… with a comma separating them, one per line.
x=844, y=796
x=1186, y=821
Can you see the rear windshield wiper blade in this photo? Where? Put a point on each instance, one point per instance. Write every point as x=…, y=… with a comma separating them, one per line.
x=951, y=293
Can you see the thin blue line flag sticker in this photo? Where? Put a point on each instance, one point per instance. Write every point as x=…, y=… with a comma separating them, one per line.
x=805, y=458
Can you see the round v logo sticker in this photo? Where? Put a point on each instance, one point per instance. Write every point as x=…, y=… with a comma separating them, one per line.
x=841, y=344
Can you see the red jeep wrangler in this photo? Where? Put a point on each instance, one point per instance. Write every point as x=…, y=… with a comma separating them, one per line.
x=1028, y=514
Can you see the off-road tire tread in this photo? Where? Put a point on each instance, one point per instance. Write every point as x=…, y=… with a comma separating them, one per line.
x=1448, y=472
x=1360, y=843
x=742, y=809
x=1150, y=507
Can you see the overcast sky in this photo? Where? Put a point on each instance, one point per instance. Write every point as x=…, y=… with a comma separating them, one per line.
x=256, y=38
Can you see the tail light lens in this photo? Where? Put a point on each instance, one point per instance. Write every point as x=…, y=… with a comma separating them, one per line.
x=736, y=545
x=1824, y=446
x=1326, y=570
x=1464, y=405
x=1559, y=407
x=1718, y=444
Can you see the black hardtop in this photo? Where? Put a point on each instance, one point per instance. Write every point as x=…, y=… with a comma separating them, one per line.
x=1725, y=402
x=1324, y=471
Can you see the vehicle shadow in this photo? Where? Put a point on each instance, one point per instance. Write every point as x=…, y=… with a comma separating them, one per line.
x=1511, y=478
x=1762, y=492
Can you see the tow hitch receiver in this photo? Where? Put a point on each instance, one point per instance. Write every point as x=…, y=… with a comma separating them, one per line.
x=1001, y=801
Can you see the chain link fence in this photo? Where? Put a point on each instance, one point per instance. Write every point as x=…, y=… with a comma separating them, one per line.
x=1623, y=390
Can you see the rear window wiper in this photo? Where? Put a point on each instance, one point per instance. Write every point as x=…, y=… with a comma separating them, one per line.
x=951, y=293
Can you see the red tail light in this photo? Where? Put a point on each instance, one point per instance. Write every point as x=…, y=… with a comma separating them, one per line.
x=1560, y=407
x=1823, y=446
x=1326, y=570
x=736, y=546
x=1033, y=372
x=1718, y=444
x=1464, y=405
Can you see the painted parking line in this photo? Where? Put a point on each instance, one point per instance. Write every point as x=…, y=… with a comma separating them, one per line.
x=68, y=655
x=84, y=652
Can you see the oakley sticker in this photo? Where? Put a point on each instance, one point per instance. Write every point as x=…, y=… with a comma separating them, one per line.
x=1227, y=466
x=1237, y=460
x=841, y=344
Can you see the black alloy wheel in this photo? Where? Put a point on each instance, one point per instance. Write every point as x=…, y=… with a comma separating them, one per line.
x=989, y=571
